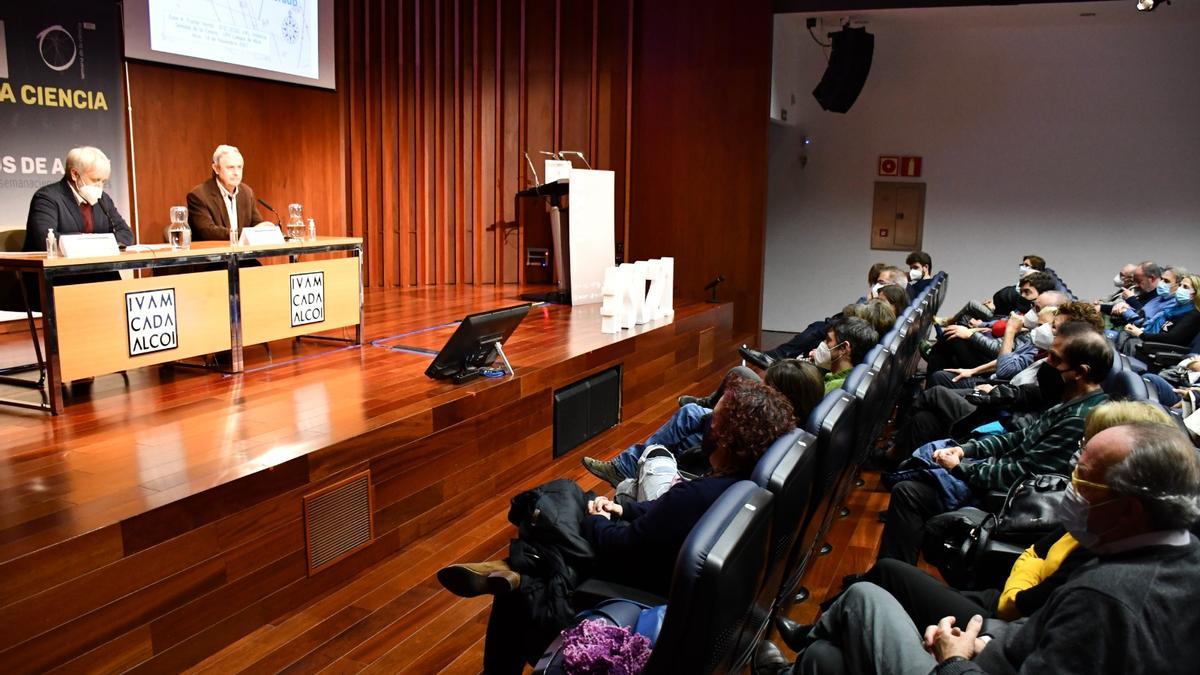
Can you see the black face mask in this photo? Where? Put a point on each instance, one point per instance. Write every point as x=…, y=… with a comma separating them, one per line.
x=1050, y=383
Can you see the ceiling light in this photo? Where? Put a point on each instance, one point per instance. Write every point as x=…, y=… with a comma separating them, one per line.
x=1150, y=5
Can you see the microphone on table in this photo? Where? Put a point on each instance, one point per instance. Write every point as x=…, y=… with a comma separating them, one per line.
x=278, y=220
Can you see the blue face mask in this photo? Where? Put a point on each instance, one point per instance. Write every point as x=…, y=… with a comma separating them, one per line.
x=1164, y=289
x=1184, y=295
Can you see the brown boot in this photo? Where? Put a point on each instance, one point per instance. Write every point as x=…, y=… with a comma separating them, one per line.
x=471, y=579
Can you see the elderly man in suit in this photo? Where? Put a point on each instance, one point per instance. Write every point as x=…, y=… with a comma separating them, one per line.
x=77, y=203
x=222, y=203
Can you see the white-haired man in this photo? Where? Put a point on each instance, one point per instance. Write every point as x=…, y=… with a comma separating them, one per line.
x=77, y=203
x=222, y=202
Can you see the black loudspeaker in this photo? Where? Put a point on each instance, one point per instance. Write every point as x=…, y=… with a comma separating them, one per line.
x=849, y=63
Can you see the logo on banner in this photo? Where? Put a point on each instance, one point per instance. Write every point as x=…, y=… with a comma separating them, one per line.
x=308, y=298
x=150, y=319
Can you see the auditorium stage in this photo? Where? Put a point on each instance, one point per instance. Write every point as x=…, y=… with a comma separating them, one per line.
x=160, y=517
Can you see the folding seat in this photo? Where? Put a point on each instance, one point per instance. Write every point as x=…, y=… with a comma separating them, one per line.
x=718, y=575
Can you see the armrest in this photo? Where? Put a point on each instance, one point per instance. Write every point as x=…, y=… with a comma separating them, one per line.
x=1160, y=355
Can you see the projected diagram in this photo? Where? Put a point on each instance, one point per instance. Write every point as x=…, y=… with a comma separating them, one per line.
x=275, y=35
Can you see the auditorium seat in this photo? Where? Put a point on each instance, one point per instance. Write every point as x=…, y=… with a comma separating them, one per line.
x=717, y=578
x=785, y=470
x=1128, y=386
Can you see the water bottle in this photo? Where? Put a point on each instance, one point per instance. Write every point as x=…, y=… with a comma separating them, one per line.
x=51, y=244
x=233, y=235
x=179, y=234
x=312, y=229
x=295, y=226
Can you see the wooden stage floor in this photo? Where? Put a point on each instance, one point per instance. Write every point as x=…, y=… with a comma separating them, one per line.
x=158, y=520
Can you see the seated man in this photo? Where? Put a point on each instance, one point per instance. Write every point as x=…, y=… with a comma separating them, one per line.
x=1124, y=284
x=70, y=205
x=1148, y=299
x=77, y=204
x=1135, y=492
x=846, y=344
x=1082, y=358
x=920, y=272
x=222, y=203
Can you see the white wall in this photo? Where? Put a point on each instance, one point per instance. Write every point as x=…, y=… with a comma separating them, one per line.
x=1075, y=138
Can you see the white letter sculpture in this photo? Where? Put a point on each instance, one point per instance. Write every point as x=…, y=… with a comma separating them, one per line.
x=613, y=293
x=666, y=304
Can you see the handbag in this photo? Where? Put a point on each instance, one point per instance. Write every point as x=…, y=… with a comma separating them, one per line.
x=1030, y=509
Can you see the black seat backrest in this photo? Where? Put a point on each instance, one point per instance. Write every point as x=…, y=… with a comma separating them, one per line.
x=832, y=422
x=786, y=471
x=717, y=577
x=1128, y=386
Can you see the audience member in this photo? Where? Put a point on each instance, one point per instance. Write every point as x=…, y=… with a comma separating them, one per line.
x=1134, y=493
x=1080, y=358
x=635, y=545
x=1009, y=299
x=846, y=344
x=920, y=272
x=1178, y=323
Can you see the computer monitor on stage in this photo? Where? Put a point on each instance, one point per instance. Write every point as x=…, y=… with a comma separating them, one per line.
x=475, y=342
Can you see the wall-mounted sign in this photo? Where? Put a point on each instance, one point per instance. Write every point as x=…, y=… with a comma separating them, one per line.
x=307, y=298
x=889, y=165
x=151, y=323
x=910, y=167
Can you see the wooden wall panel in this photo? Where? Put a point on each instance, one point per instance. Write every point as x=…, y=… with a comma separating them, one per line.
x=287, y=134
x=443, y=100
x=701, y=93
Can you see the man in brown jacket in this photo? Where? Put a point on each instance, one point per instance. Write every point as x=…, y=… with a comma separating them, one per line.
x=222, y=202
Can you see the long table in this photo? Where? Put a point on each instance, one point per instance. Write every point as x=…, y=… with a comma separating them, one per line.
x=197, y=301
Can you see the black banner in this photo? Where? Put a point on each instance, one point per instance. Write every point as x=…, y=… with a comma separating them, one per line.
x=60, y=87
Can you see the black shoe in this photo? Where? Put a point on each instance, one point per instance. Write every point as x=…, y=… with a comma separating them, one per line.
x=685, y=399
x=768, y=660
x=794, y=635
x=755, y=357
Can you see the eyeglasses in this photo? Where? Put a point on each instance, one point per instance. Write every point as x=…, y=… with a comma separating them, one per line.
x=1077, y=481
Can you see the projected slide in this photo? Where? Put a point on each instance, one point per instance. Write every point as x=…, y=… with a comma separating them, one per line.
x=275, y=35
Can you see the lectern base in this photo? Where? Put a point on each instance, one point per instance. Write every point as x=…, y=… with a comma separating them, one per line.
x=551, y=297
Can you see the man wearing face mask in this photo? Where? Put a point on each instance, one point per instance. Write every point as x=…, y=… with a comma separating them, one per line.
x=76, y=204
x=920, y=272
x=1081, y=359
x=1014, y=352
x=844, y=346
x=1123, y=283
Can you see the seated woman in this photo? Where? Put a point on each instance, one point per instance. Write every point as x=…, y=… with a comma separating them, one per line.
x=687, y=432
x=1042, y=568
x=635, y=545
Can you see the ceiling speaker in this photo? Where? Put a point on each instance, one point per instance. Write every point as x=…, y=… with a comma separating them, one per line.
x=849, y=63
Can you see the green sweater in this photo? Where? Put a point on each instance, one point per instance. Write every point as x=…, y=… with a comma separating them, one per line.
x=835, y=380
x=1046, y=446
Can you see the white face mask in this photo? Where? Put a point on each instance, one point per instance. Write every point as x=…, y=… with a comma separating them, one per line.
x=90, y=193
x=916, y=274
x=1030, y=319
x=1118, y=281
x=1022, y=270
x=875, y=291
x=823, y=356
x=1043, y=336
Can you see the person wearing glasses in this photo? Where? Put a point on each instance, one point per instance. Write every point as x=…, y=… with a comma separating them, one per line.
x=1134, y=493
